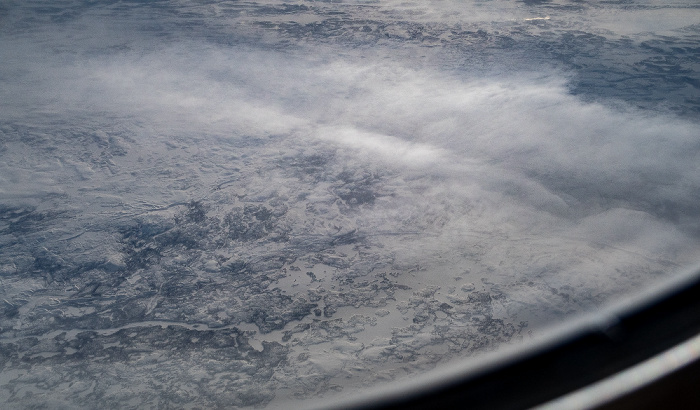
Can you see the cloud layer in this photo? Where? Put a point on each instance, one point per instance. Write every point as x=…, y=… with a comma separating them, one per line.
x=349, y=207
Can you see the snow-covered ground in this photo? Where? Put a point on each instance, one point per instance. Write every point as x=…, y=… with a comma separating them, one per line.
x=251, y=204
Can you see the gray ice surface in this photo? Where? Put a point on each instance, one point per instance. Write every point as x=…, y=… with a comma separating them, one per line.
x=251, y=204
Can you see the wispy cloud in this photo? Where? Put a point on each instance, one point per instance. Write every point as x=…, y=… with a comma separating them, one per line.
x=437, y=179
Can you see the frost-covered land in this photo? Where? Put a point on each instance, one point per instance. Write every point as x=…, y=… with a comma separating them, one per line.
x=237, y=204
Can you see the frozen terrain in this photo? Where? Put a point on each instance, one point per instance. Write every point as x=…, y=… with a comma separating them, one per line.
x=252, y=204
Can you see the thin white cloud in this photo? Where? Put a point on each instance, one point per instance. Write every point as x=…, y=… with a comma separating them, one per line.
x=465, y=181
x=385, y=147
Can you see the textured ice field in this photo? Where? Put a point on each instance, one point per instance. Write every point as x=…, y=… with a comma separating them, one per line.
x=250, y=204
